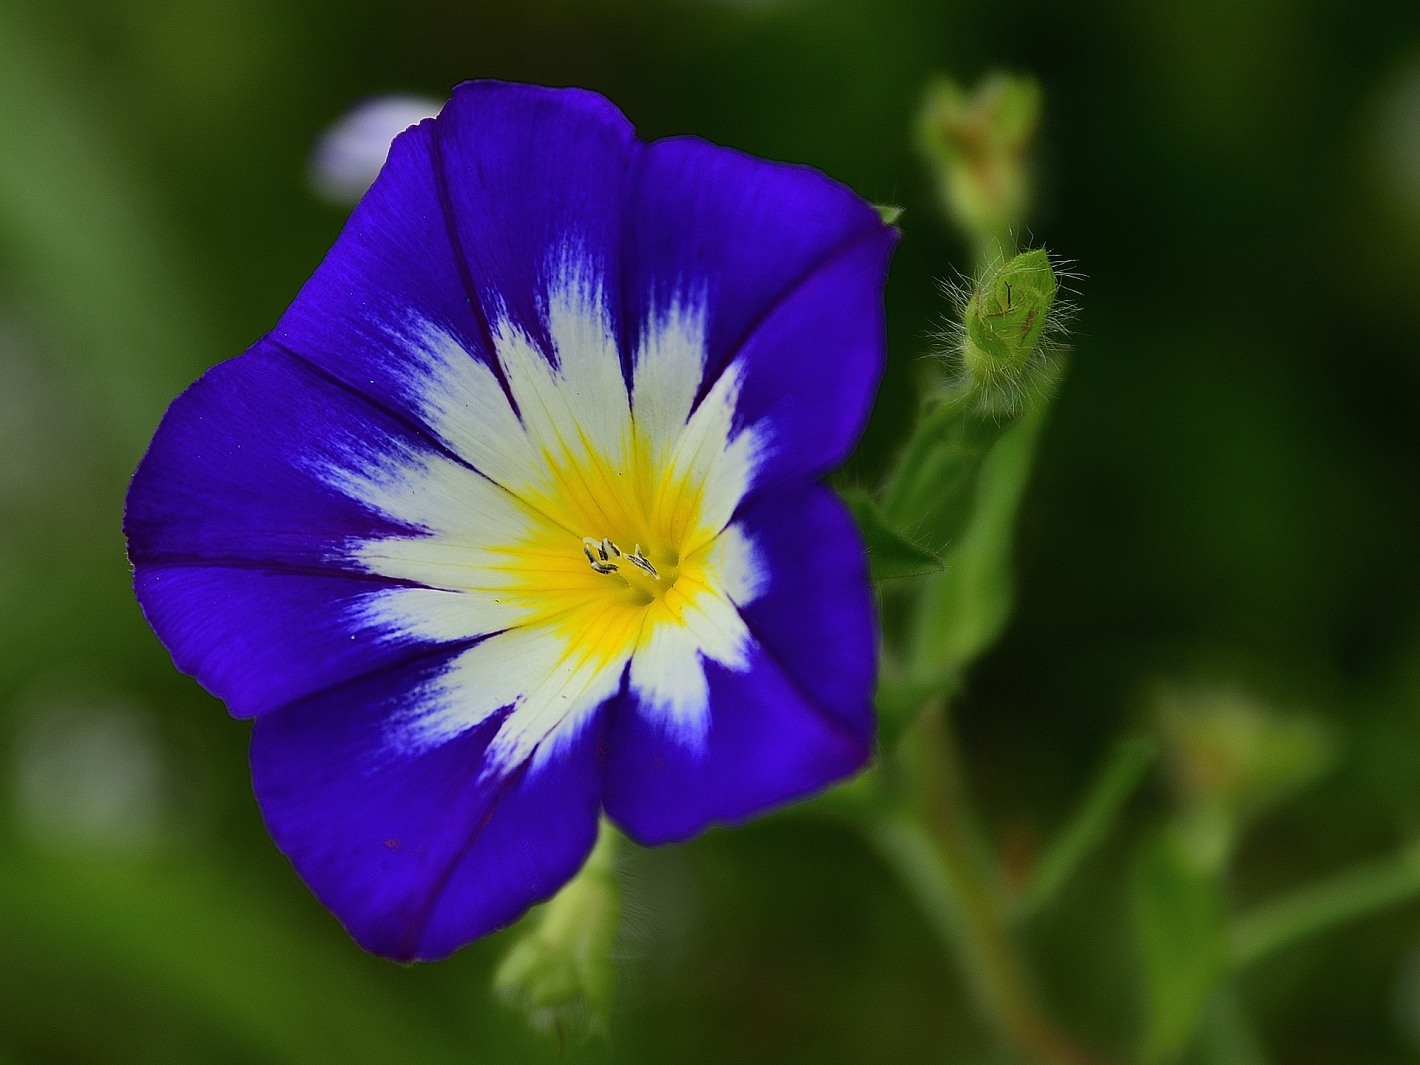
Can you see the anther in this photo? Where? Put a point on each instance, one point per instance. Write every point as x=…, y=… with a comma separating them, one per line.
x=643, y=563
x=600, y=553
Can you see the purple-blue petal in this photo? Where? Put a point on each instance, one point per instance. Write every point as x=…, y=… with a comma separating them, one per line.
x=811, y=368
x=415, y=851
x=799, y=719
x=816, y=614
x=535, y=181
x=790, y=265
x=238, y=541
x=234, y=470
x=258, y=638
x=769, y=742
x=393, y=272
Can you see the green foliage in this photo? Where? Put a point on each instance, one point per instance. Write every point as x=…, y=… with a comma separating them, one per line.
x=890, y=213
x=1217, y=481
x=1182, y=935
x=891, y=555
x=933, y=494
x=964, y=609
x=1322, y=906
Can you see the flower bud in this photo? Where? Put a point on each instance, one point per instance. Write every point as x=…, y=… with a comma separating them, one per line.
x=1005, y=319
x=978, y=147
x=561, y=969
x=1232, y=758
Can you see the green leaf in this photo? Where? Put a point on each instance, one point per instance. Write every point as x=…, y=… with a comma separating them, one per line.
x=891, y=556
x=932, y=492
x=901, y=699
x=965, y=608
x=888, y=212
x=1180, y=925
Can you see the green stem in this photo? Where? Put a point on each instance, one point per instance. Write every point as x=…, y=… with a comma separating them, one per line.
x=934, y=851
x=1313, y=909
x=1119, y=779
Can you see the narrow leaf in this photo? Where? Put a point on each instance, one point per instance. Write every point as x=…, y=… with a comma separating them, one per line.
x=932, y=492
x=966, y=607
x=891, y=556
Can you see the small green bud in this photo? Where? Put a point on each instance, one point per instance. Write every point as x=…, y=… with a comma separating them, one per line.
x=1007, y=335
x=561, y=969
x=1006, y=317
x=978, y=147
x=1233, y=758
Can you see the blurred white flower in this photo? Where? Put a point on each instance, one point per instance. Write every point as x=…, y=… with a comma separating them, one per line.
x=348, y=156
x=90, y=775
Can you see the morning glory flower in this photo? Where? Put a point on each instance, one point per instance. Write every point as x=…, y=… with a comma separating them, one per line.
x=513, y=519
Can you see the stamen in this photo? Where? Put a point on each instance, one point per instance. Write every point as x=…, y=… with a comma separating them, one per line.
x=600, y=553
x=643, y=563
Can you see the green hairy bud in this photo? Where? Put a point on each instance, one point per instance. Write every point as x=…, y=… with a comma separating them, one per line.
x=1006, y=317
x=978, y=146
x=1008, y=336
x=561, y=970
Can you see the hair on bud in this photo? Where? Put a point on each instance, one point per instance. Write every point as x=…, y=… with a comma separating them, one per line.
x=1005, y=337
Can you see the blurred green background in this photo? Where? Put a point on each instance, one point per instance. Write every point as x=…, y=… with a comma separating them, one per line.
x=1229, y=488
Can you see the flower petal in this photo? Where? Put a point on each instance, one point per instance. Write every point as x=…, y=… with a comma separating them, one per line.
x=766, y=248
x=534, y=180
x=417, y=851
x=811, y=368
x=387, y=312
x=277, y=546
x=813, y=610
x=258, y=638
x=767, y=743
x=237, y=468
x=793, y=714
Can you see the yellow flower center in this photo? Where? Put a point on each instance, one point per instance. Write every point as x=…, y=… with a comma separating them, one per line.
x=647, y=580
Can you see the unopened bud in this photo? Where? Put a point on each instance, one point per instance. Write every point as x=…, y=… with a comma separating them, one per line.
x=561, y=970
x=1005, y=326
x=978, y=146
x=1232, y=758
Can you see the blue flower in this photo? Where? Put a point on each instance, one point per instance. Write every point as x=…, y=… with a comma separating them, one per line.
x=513, y=518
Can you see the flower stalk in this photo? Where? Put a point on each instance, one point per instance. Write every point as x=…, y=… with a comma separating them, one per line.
x=933, y=845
